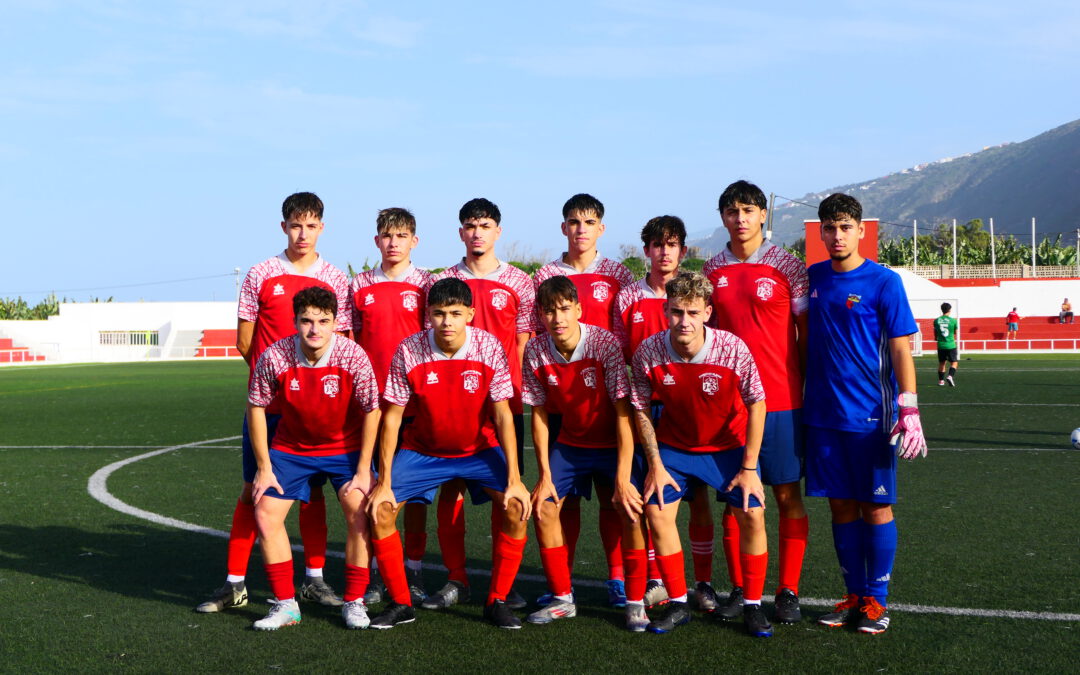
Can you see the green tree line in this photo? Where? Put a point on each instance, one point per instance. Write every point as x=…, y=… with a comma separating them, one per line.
x=20, y=310
x=973, y=248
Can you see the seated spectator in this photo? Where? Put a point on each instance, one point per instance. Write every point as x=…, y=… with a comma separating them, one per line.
x=1066, y=312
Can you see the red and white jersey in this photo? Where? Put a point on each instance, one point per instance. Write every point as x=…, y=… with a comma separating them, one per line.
x=452, y=394
x=597, y=287
x=505, y=303
x=639, y=314
x=758, y=299
x=583, y=388
x=705, y=398
x=385, y=311
x=322, y=405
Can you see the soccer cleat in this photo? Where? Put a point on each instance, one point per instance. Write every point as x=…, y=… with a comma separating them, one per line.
x=447, y=596
x=282, y=613
x=315, y=589
x=616, y=593
x=951, y=381
x=676, y=614
x=558, y=609
x=545, y=599
x=416, y=586
x=655, y=593
x=757, y=625
x=705, y=597
x=515, y=600
x=227, y=597
x=500, y=614
x=786, y=607
x=844, y=612
x=874, y=619
x=636, y=618
x=394, y=615
x=375, y=590
x=355, y=614
x=941, y=383
x=732, y=607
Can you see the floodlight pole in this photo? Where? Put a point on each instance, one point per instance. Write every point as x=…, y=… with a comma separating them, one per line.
x=993, y=259
x=768, y=224
x=236, y=271
x=954, y=248
x=1078, y=251
x=1033, y=270
x=914, y=244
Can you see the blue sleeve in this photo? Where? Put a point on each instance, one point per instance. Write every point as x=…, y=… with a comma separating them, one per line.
x=894, y=310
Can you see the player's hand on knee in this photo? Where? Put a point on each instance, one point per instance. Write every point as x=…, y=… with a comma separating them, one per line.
x=264, y=480
x=907, y=434
x=544, y=489
x=379, y=495
x=750, y=484
x=655, y=481
x=516, y=490
x=627, y=498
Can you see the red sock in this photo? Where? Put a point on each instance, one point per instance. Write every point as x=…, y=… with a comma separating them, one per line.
x=636, y=561
x=570, y=519
x=391, y=557
x=673, y=572
x=556, y=569
x=313, y=529
x=415, y=531
x=701, y=548
x=507, y=560
x=356, y=581
x=793, y=535
x=753, y=568
x=497, y=514
x=654, y=569
x=241, y=538
x=611, y=538
x=451, y=531
x=731, y=550
x=415, y=545
x=280, y=576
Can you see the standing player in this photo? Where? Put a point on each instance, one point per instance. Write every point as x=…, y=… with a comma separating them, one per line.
x=1012, y=323
x=580, y=370
x=504, y=297
x=325, y=388
x=859, y=352
x=759, y=294
x=710, y=428
x=387, y=307
x=945, y=327
x=640, y=314
x=265, y=316
x=459, y=378
x=598, y=281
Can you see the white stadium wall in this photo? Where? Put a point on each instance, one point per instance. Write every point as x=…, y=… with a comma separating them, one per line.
x=1031, y=297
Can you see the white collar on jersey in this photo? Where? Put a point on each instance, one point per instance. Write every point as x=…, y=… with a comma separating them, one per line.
x=459, y=355
x=465, y=271
x=643, y=284
x=570, y=270
x=323, y=360
x=710, y=336
x=579, y=349
x=379, y=275
x=309, y=272
x=730, y=258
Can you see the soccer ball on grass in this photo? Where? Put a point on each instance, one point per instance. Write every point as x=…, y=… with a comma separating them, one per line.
x=1076, y=439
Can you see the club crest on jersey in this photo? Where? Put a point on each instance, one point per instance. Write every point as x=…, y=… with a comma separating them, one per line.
x=369, y=299
x=331, y=385
x=471, y=383
x=765, y=288
x=639, y=317
x=601, y=290
x=722, y=282
x=499, y=298
x=294, y=385
x=553, y=379
x=279, y=289
x=432, y=378
x=710, y=383
x=669, y=379
x=589, y=375
x=852, y=299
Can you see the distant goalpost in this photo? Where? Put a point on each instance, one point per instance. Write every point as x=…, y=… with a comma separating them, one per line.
x=930, y=307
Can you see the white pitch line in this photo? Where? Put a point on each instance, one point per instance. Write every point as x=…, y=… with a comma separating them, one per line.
x=1010, y=404
x=110, y=447
x=98, y=489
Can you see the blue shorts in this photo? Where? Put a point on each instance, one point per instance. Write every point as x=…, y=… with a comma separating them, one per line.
x=782, y=448
x=248, y=452
x=717, y=469
x=857, y=465
x=416, y=476
x=1014, y=326
x=297, y=473
x=573, y=469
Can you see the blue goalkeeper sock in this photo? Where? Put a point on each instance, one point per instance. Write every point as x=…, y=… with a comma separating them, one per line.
x=880, y=551
x=847, y=539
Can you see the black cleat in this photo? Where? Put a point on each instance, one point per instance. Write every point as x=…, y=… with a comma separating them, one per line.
x=843, y=613
x=676, y=614
x=447, y=596
x=786, y=607
x=757, y=625
x=732, y=607
x=500, y=614
x=394, y=615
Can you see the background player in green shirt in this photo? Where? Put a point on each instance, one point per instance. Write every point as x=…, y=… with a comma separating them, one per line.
x=945, y=334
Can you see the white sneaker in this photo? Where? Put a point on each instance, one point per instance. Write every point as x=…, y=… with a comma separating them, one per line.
x=952, y=382
x=283, y=613
x=636, y=618
x=558, y=609
x=355, y=614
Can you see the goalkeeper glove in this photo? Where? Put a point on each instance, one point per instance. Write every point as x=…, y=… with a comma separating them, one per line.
x=907, y=434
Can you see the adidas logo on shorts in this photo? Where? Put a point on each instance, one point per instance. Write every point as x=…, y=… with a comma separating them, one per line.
x=881, y=491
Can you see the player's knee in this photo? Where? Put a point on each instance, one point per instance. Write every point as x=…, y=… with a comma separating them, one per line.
x=877, y=514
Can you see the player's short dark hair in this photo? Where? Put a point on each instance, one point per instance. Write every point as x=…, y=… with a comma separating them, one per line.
x=554, y=289
x=583, y=203
x=689, y=286
x=946, y=308
x=837, y=205
x=317, y=297
x=449, y=291
x=301, y=204
x=395, y=219
x=742, y=192
x=662, y=228
x=479, y=208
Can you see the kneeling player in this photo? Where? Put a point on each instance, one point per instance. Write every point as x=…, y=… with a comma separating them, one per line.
x=459, y=380
x=710, y=429
x=579, y=370
x=330, y=415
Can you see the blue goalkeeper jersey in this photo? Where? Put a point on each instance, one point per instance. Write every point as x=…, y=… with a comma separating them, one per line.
x=850, y=384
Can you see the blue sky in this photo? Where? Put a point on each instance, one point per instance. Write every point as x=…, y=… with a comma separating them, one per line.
x=150, y=142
